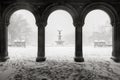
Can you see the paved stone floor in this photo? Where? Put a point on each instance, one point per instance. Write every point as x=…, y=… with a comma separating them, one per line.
x=22, y=65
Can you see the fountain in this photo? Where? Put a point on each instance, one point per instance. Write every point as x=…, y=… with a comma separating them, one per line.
x=59, y=42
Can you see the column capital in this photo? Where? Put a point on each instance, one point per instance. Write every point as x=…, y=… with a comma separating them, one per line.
x=41, y=24
x=118, y=22
x=4, y=23
x=78, y=24
x=1, y=22
x=115, y=24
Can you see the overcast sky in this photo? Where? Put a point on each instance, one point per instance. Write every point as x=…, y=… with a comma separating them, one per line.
x=62, y=20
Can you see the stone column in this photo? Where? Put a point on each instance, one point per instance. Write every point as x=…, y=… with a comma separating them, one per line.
x=41, y=43
x=3, y=41
x=116, y=42
x=78, y=43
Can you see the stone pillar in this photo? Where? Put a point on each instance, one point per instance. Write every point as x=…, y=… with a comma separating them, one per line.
x=78, y=43
x=116, y=42
x=41, y=43
x=3, y=42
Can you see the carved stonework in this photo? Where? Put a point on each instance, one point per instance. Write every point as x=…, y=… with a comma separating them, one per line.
x=41, y=9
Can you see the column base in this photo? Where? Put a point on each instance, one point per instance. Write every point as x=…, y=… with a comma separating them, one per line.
x=116, y=59
x=40, y=59
x=3, y=59
x=79, y=59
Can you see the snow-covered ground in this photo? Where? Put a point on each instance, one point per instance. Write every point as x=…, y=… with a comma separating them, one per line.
x=59, y=65
x=62, y=53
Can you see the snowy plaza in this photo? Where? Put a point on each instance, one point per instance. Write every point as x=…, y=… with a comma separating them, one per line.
x=59, y=65
x=62, y=53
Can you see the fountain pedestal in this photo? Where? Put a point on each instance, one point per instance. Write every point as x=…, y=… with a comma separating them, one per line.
x=60, y=42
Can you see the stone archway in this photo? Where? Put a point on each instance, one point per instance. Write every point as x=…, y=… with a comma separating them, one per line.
x=62, y=6
x=41, y=10
x=60, y=36
x=114, y=18
x=6, y=17
x=17, y=6
x=74, y=14
x=102, y=6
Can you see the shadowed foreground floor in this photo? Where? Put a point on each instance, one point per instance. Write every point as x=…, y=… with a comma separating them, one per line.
x=59, y=70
